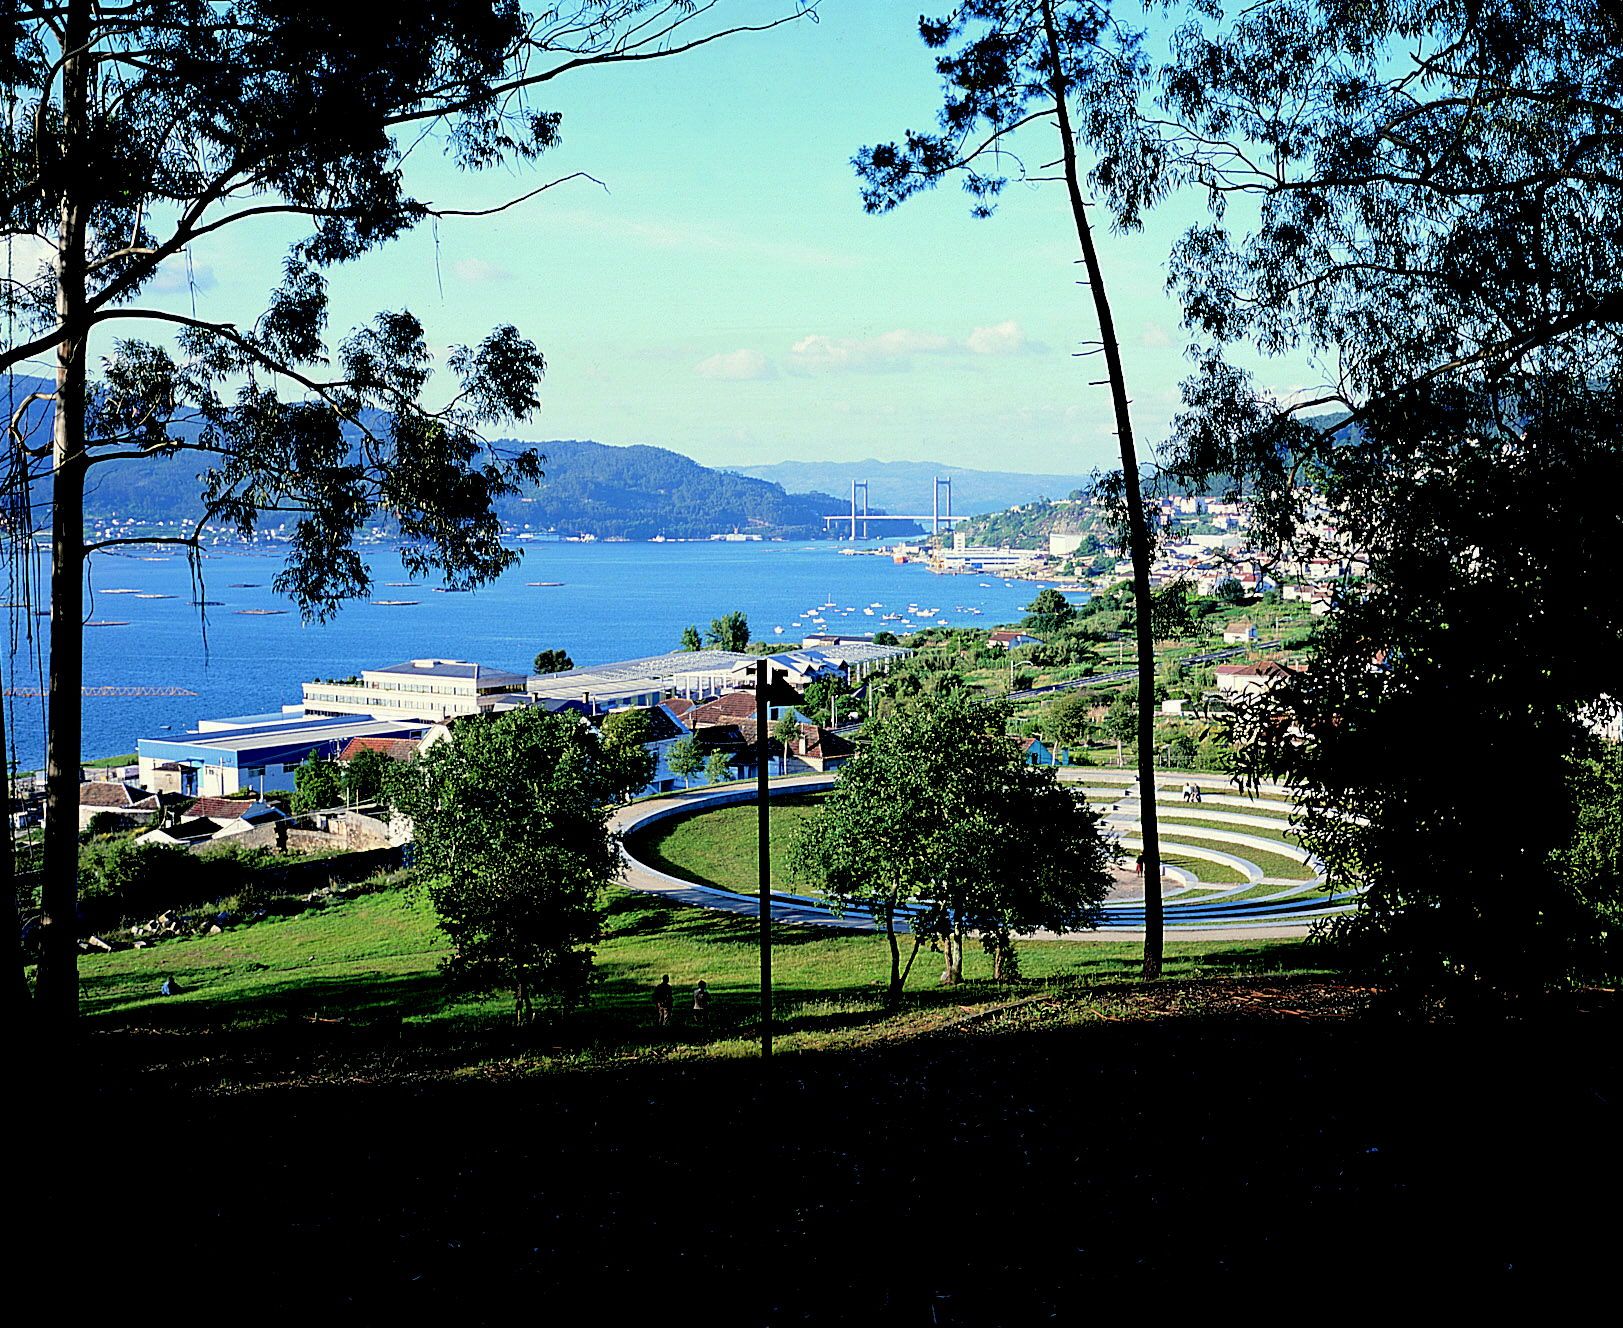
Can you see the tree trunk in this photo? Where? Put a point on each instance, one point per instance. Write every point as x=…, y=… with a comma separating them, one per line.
x=1138, y=537
x=893, y=994
x=20, y=1000
x=58, y=990
x=953, y=973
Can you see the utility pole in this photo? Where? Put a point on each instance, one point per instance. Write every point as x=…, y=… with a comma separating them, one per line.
x=763, y=848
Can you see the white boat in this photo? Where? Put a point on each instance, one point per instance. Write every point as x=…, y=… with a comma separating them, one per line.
x=777, y=631
x=869, y=612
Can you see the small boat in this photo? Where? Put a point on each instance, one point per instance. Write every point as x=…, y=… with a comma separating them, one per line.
x=401, y=585
x=260, y=613
x=395, y=603
x=106, y=622
x=543, y=583
x=119, y=590
x=450, y=590
x=151, y=595
x=869, y=612
x=777, y=631
x=247, y=585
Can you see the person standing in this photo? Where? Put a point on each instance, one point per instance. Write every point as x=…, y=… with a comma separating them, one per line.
x=663, y=1002
x=701, y=1003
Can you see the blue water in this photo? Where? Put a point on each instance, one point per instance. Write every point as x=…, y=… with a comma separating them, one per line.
x=617, y=601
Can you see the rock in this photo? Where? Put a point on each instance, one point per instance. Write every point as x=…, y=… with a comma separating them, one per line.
x=96, y=943
x=138, y=945
x=214, y=929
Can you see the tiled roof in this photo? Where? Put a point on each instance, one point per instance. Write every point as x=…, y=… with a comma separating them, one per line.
x=111, y=793
x=220, y=809
x=396, y=749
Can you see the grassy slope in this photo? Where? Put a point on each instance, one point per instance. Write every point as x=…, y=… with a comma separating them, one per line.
x=377, y=957
x=718, y=847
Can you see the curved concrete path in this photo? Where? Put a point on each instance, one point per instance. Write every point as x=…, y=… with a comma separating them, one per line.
x=1210, y=919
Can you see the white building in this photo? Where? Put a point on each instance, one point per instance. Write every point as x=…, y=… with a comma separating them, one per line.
x=432, y=690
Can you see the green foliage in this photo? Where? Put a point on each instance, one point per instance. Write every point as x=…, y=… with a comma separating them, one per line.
x=939, y=812
x=512, y=837
x=731, y=631
x=684, y=758
x=830, y=697
x=1049, y=612
x=885, y=639
x=366, y=776
x=630, y=762
x=1065, y=719
x=718, y=769
x=785, y=732
x=317, y=784
x=1229, y=591
x=691, y=640
x=553, y=661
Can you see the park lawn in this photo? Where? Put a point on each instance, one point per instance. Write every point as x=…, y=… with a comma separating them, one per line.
x=1212, y=873
x=1265, y=890
x=1283, y=834
x=717, y=847
x=1272, y=864
x=374, y=961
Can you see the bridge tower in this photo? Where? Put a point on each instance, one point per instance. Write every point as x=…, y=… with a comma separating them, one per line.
x=936, y=514
x=855, y=485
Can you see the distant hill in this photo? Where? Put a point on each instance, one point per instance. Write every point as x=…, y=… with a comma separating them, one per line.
x=639, y=492
x=904, y=486
x=590, y=488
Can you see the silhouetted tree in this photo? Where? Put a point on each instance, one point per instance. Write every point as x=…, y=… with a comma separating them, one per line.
x=553, y=661
x=1434, y=219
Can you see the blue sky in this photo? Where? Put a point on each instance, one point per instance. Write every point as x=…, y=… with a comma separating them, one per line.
x=725, y=295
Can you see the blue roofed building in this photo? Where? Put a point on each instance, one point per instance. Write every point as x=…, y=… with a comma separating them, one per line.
x=214, y=761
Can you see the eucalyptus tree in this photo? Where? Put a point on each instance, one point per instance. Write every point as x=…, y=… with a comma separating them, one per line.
x=136, y=130
x=1073, y=68
x=1421, y=197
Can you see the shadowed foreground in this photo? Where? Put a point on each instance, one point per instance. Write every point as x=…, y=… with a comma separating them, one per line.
x=1238, y=1139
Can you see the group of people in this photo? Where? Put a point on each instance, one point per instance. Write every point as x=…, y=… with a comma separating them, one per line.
x=665, y=1002
x=1191, y=792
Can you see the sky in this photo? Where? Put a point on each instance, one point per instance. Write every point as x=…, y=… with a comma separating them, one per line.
x=721, y=292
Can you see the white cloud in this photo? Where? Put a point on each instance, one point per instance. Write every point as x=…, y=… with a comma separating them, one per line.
x=736, y=366
x=895, y=351
x=889, y=352
x=1003, y=338
x=177, y=276
x=477, y=269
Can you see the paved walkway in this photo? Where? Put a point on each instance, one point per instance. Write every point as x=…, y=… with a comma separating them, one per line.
x=1123, y=918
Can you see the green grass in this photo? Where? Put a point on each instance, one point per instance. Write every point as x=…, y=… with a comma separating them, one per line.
x=105, y=762
x=1264, y=891
x=1212, y=873
x=1262, y=832
x=1272, y=864
x=718, y=847
x=377, y=957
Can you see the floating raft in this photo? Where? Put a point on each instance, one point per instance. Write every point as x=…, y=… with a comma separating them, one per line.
x=260, y=613
x=543, y=583
x=122, y=693
x=395, y=603
x=108, y=622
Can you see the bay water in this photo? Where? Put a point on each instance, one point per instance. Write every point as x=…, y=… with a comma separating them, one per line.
x=611, y=601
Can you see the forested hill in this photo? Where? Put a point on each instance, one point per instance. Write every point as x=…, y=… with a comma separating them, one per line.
x=639, y=492
x=590, y=488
